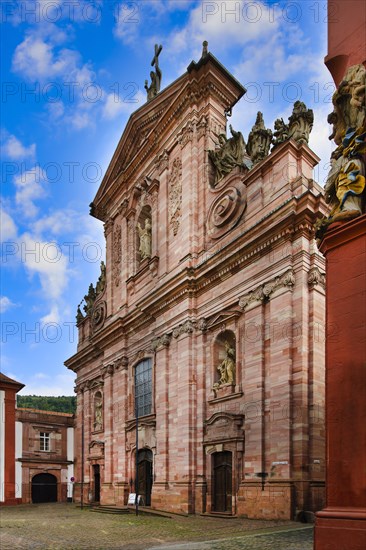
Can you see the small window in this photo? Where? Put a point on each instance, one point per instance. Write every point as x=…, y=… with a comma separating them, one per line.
x=44, y=441
x=143, y=388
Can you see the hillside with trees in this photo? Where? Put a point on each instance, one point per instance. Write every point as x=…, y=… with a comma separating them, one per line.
x=64, y=403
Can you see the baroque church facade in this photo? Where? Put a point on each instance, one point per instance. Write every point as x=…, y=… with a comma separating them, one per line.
x=207, y=321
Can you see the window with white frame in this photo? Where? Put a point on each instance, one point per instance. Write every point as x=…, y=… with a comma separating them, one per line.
x=44, y=441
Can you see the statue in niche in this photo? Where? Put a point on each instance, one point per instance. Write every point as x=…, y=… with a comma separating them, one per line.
x=281, y=131
x=145, y=239
x=300, y=122
x=259, y=140
x=345, y=186
x=156, y=76
x=98, y=412
x=226, y=368
x=228, y=154
x=100, y=286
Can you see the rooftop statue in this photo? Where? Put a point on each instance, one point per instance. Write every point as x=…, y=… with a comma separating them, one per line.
x=345, y=186
x=100, y=286
x=259, y=140
x=89, y=299
x=156, y=76
x=228, y=154
x=281, y=132
x=300, y=122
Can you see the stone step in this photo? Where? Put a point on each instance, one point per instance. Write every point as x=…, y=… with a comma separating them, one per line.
x=109, y=510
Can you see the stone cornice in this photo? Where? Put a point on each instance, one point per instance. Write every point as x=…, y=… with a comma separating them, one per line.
x=265, y=290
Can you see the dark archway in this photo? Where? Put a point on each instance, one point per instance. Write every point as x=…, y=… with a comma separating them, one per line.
x=44, y=488
x=96, y=475
x=222, y=481
x=145, y=475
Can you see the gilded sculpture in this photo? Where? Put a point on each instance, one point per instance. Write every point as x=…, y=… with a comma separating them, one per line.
x=229, y=153
x=345, y=185
x=226, y=368
x=145, y=239
x=259, y=140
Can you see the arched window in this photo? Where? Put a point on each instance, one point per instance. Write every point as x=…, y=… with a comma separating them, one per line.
x=143, y=388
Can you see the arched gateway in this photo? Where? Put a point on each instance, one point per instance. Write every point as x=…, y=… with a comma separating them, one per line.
x=44, y=488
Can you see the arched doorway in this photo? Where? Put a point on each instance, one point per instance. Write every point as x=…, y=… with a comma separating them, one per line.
x=145, y=475
x=44, y=488
x=222, y=481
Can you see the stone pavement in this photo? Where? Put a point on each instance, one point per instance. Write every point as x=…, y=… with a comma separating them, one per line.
x=66, y=527
x=295, y=539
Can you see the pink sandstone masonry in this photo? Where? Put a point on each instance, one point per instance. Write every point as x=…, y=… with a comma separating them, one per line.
x=234, y=263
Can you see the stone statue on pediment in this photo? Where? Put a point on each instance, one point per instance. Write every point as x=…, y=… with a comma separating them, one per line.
x=300, y=122
x=228, y=154
x=79, y=315
x=89, y=299
x=156, y=76
x=100, y=286
x=145, y=239
x=259, y=140
x=281, y=132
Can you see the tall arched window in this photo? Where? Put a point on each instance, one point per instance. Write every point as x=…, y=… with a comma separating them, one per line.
x=143, y=388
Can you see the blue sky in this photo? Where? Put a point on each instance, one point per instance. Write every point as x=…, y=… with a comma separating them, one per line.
x=72, y=72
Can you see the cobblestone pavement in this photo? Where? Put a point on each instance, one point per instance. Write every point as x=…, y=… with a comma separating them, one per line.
x=299, y=539
x=66, y=527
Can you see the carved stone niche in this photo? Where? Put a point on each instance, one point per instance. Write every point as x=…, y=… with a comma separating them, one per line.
x=96, y=449
x=222, y=427
x=225, y=367
x=146, y=433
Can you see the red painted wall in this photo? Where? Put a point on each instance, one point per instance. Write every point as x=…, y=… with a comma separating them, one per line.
x=346, y=36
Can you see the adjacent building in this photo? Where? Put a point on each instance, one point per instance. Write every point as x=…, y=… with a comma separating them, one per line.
x=45, y=455
x=36, y=451
x=200, y=361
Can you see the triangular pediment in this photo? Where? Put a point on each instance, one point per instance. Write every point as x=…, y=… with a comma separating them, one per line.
x=149, y=128
x=223, y=317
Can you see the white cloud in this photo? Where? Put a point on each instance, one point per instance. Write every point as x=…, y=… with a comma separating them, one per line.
x=52, y=317
x=29, y=188
x=62, y=384
x=115, y=105
x=5, y=304
x=48, y=262
x=15, y=150
x=8, y=229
